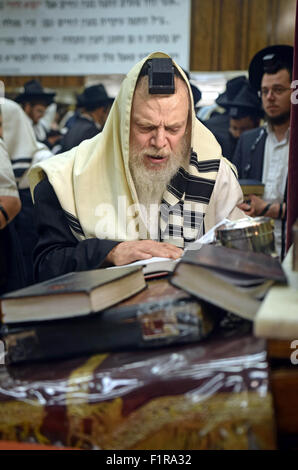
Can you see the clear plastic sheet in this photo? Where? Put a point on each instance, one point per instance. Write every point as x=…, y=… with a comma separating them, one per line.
x=209, y=395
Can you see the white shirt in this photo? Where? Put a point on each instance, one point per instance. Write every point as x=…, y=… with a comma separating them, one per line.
x=8, y=185
x=275, y=172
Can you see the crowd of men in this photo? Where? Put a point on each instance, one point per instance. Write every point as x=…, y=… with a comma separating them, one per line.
x=140, y=174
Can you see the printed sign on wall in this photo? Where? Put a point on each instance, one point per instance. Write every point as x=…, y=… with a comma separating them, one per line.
x=83, y=37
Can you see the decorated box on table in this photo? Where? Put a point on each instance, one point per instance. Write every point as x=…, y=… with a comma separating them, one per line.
x=210, y=395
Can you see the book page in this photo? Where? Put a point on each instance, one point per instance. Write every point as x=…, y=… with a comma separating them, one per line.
x=163, y=264
x=209, y=237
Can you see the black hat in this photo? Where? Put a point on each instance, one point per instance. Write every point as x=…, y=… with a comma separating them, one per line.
x=279, y=56
x=232, y=88
x=245, y=103
x=94, y=96
x=196, y=92
x=80, y=100
x=33, y=91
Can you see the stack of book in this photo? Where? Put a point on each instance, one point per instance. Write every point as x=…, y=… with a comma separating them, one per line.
x=99, y=311
x=111, y=309
x=232, y=279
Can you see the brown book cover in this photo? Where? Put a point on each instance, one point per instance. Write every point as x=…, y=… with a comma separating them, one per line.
x=72, y=294
x=250, y=186
x=231, y=279
x=221, y=258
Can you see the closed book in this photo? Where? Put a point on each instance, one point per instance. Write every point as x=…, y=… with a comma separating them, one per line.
x=73, y=294
x=231, y=279
x=160, y=315
x=251, y=186
x=221, y=258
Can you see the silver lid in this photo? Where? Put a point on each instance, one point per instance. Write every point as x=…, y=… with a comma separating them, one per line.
x=255, y=234
x=245, y=227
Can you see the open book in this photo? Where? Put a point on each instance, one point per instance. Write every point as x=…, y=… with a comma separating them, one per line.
x=156, y=266
x=153, y=267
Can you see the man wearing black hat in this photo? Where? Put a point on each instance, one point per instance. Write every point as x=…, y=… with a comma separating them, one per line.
x=90, y=121
x=244, y=112
x=219, y=120
x=196, y=92
x=34, y=101
x=263, y=154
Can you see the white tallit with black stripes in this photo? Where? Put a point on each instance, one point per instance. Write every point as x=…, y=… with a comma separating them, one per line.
x=20, y=141
x=95, y=188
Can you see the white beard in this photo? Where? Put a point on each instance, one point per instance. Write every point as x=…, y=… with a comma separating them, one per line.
x=151, y=183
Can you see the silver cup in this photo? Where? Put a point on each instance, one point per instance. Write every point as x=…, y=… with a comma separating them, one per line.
x=248, y=234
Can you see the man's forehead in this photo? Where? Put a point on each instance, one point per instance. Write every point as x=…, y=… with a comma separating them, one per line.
x=241, y=121
x=282, y=76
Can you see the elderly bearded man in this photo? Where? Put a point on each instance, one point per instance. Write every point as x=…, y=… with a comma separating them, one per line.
x=92, y=203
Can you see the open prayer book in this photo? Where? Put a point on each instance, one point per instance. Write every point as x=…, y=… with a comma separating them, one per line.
x=156, y=266
x=153, y=267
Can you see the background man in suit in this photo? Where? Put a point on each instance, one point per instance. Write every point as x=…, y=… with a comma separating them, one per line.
x=219, y=120
x=262, y=154
x=91, y=120
x=244, y=113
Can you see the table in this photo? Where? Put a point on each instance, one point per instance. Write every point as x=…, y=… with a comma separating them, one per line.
x=213, y=394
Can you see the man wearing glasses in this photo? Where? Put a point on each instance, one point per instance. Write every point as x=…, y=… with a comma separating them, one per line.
x=262, y=154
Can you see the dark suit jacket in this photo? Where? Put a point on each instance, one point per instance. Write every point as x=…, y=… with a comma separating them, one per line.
x=227, y=142
x=218, y=123
x=249, y=154
x=82, y=129
x=58, y=251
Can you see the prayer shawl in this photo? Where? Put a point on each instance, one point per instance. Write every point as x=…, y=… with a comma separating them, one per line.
x=94, y=185
x=20, y=141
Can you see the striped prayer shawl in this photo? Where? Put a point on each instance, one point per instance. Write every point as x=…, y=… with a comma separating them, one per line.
x=183, y=206
x=20, y=166
x=185, y=202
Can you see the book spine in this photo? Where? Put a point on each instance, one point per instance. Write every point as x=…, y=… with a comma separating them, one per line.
x=46, y=342
x=179, y=323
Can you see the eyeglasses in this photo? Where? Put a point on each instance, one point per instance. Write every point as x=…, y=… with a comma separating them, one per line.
x=276, y=90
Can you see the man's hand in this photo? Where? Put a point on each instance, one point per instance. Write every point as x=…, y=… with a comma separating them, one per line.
x=128, y=252
x=255, y=207
x=12, y=206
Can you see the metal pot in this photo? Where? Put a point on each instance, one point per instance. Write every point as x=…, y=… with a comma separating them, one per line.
x=248, y=234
